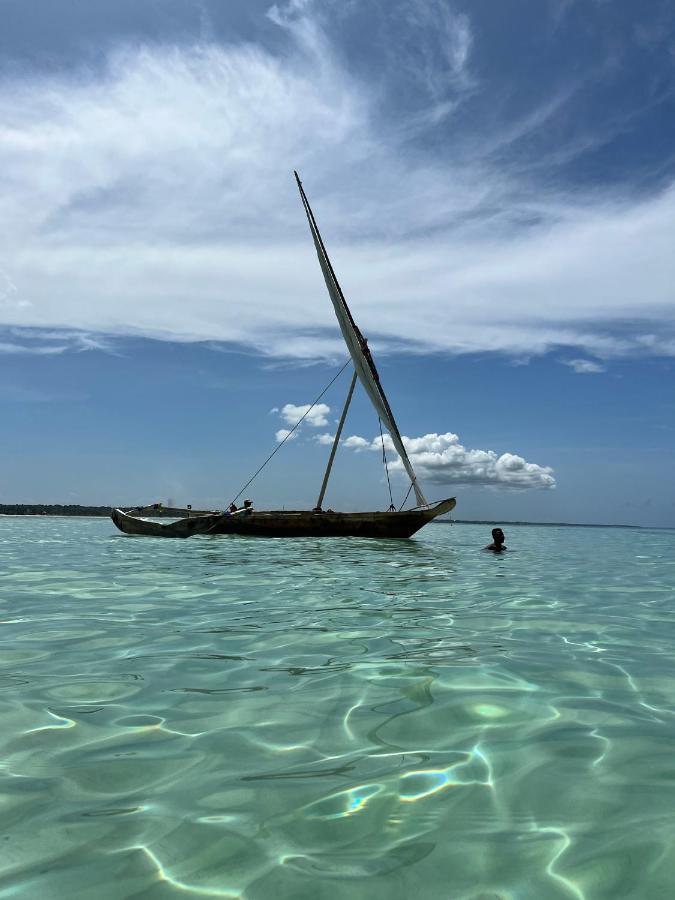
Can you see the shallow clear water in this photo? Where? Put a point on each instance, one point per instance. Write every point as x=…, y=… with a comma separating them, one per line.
x=232, y=717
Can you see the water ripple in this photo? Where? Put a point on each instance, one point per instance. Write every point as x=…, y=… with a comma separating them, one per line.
x=234, y=718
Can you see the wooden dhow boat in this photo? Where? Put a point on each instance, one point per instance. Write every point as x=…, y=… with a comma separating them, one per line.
x=289, y=523
x=401, y=523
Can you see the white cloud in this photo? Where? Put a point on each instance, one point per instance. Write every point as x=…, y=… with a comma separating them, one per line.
x=584, y=366
x=429, y=48
x=314, y=416
x=441, y=459
x=47, y=350
x=8, y=292
x=283, y=13
x=49, y=343
x=157, y=199
x=324, y=439
x=354, y=442
x=285, y=433
x=303, y=415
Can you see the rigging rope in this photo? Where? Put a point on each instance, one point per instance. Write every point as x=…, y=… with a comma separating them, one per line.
x=392, y=507
x=297, y=424
x=406, y=497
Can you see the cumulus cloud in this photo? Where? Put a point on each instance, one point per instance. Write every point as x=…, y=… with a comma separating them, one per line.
x=314, y=416
x=303, y=415
x=285, y=433
x=584, y=366
x=324, y=439
x=442, y=459
x=155, y=197
x=354, y=442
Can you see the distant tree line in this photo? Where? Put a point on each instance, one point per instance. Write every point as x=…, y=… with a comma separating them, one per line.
x=52, y=509
x=156, y=510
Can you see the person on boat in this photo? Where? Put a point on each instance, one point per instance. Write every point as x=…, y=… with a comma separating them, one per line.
x=242, y=510
x=497, y=545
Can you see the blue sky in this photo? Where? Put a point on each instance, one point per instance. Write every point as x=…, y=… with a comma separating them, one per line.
x=495, y=184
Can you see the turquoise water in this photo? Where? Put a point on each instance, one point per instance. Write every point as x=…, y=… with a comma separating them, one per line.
x=231, y=717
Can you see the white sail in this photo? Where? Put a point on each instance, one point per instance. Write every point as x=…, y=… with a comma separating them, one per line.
x=358, y=349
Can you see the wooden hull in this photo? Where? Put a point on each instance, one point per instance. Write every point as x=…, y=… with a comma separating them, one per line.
x=290, y=523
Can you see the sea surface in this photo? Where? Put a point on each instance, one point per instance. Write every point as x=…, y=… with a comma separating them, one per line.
x=336, y=719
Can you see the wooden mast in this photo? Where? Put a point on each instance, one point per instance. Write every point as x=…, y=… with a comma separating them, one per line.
x=336, y=441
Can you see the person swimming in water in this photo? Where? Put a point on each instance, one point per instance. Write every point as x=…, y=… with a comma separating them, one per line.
x=497, y=545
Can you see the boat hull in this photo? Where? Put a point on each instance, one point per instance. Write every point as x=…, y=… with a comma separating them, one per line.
x=290, y=523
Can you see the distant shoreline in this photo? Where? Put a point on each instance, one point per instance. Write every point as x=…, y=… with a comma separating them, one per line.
x=60, y=510
x=74, y=510
x=52, y=509
x=538, y=524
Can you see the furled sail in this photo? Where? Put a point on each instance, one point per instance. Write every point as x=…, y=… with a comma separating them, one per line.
x=358, y=348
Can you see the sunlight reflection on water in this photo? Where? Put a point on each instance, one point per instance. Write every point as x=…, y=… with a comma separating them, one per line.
x=231, y=717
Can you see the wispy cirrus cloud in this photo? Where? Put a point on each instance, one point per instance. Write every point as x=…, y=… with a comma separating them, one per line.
x=38, y=342
x=44, y=350
x=155, y=198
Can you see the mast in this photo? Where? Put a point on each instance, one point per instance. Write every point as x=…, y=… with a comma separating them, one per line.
x=358, y=347
x=336, y=441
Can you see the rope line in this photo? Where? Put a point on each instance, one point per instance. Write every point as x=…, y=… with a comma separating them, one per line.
x=392, y=507
x=406, y=497
x=297, y=425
